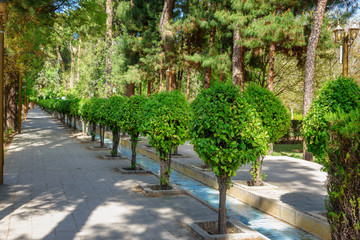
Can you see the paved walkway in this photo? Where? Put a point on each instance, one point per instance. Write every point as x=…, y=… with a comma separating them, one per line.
x=57, y=189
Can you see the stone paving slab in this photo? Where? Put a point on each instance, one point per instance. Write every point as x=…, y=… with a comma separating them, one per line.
x=56, y=189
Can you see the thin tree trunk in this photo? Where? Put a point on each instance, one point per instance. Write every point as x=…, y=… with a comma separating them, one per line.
x=133, y=151
x=62, y=65
x=83, y=127
x=310, y=64
x=93, y=132
x=78, y=61
x=208, y=69
x=164, y=174
x=238, y=60
x=116, y=139
x=168, y=39
x=148, y=88
x=140, y=89
x=222, y=181
x=102, y=133
x=188, y=84
x=271, y=67
x=72, y=65
x=109, y=19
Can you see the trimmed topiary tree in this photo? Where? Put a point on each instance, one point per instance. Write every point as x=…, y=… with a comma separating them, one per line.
x=343, y=168
x=132, y=114
x=112, y=110
x=90, y=115
x=274, y=117
x=98, y=108
x=340, y=94
x=226, y=133
x=165, y=120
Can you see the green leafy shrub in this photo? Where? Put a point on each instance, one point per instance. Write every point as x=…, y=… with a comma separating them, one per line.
x=226, y=133
x=340, y=94
x=165, y=120
x=132, y=112
x=343, y=168
x=274, y=117
x=112, y=111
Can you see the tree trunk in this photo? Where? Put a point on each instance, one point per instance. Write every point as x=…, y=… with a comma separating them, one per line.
x=164, y=173
x=130, y=89
x=10, y=105
x=310, y=64
x=271, y=67
x=62, y=65
x=83, y=127
x=109, y=19
x=222, y=181
x=257, y=168
x=188, y=84
x=148, y=88
x=93, y=132
x=102, y=134
x=133, y=150
x=72, y=64
x=208, y=69
x=140, y=88
x=78, y=61
x=116, y=139
x=238, y=60
x=168, y=39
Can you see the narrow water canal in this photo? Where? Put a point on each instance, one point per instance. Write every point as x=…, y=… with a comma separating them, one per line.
x=267, y=225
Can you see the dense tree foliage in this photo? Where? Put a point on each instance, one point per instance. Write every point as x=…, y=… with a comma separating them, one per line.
x=227, y=133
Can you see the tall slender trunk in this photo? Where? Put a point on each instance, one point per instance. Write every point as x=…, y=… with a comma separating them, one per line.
x=78, y=61
x=109, y=21
x=10, y=105
x=188, y=84
x=271, y=67
x=310, y=64
x=222, y=181
x=140, y=88
x=168, y=39
x=133, y=150
x=238, y=60
x=83, y=127
x=208, y=69
x=62, y=65
x=72, y=64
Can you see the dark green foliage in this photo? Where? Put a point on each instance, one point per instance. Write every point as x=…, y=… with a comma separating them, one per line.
x=273, y=114
x=293, y=133
x=274, y=117
x=340, y=94
x=112, y=109
x=226, y=131
x=132, y=113
x=166, y=120
x=343, y=168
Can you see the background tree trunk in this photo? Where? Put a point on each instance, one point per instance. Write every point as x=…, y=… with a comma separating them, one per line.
x=188, y=84
x=78, y=61
x=310, y=64
x=109, y=20
x=148, y=88
x=168, y=38
x=72, y=64
x=62, y=65
x=238, y=60
x=208, y=69
x=130, y=89
x=271, y=67
x=116, y=139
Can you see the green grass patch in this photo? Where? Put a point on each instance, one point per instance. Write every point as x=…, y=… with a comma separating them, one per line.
x=290, y=150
